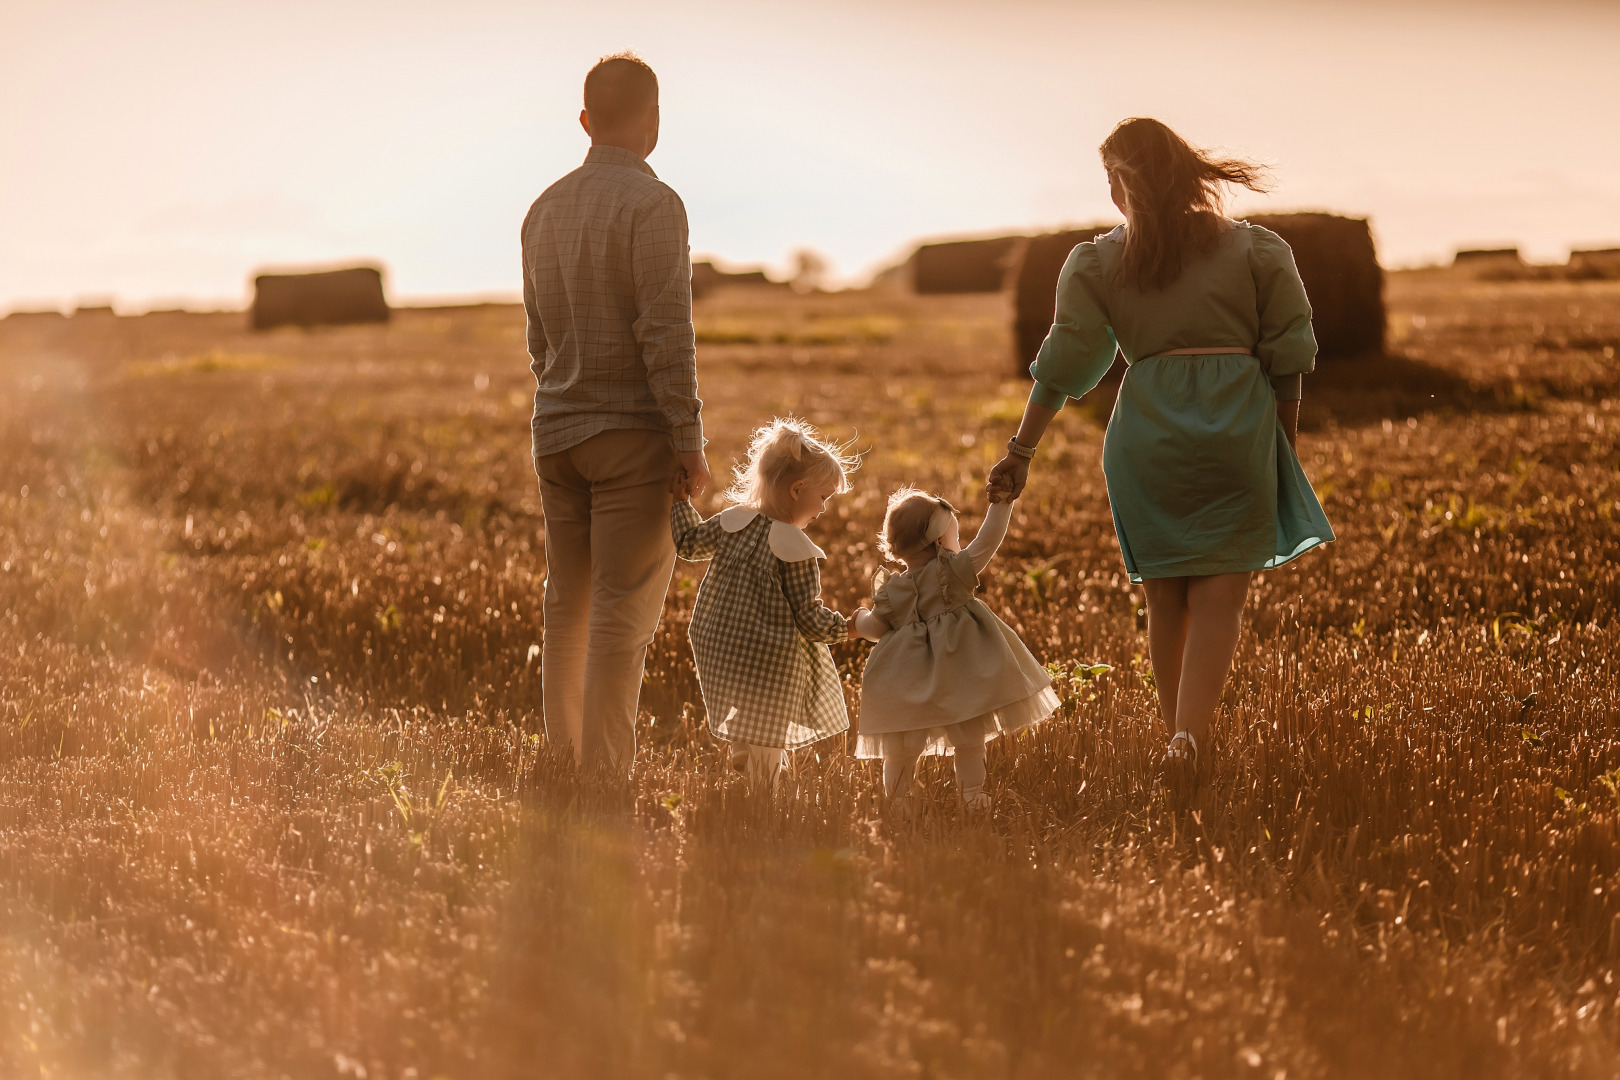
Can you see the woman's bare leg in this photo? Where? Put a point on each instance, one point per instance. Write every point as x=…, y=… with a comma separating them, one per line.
x=1214, y=614
x=1167, y=641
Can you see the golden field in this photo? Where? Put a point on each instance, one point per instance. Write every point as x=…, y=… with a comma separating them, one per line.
x=275, y=800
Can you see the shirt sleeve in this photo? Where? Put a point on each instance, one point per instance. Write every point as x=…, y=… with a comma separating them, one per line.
x=1287, y=345
x=661, y=264
x=695, y=539
x=801, y=583
x=1080, y=347
x=985, y=542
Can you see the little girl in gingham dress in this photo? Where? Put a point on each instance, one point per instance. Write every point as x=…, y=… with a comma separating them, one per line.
x=759, y=629
x=946, y=675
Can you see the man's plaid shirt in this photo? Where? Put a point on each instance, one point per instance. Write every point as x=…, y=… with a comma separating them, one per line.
x=607, y=287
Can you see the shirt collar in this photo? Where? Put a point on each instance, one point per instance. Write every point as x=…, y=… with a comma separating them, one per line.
x=618, y=155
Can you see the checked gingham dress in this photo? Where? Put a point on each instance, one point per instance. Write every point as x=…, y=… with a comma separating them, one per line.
x=760, y=631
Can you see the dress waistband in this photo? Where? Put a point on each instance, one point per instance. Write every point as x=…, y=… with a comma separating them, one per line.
x=1228, y=350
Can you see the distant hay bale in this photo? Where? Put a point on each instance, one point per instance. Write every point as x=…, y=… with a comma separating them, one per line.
x=94, y=311
x=1495, y=264
x=707, y=277
x=964, y=266
x=1594, y=264
x=1035, y=288
x=328, y=298
x=1336, y=259
x=1471, y=257
x=1339, y=266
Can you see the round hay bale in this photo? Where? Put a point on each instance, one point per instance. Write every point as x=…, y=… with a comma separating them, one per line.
x=1339, y=266
x=964, y=266
x=1035, y=288
x=328, y=298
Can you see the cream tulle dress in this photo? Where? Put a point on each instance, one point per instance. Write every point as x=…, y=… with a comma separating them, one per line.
x=946, y=658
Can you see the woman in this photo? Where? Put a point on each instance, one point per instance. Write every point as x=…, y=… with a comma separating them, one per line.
x=1199, y=455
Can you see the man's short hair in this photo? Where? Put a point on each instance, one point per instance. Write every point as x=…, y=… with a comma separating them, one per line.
x=619, y=89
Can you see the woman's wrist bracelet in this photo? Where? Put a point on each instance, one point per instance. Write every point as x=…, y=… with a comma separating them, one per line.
x=1019, y=450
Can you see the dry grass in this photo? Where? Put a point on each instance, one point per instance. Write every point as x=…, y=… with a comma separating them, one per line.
x=273, y=800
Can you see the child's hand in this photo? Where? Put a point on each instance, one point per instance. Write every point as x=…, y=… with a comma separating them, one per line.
x=854, y=634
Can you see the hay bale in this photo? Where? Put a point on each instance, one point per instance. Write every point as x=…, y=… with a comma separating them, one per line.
x=329, y=298
x=1492, y=264
x=1477, y=257
x=1336, y=260
x=707, y=277
x=1594, y=264
x=1339, y=266
x=964, y=266
x=1035, y=288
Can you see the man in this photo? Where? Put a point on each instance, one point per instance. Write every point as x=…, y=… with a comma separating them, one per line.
x=607, y=286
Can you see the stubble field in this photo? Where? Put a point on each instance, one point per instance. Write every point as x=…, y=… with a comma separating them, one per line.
x=275, y=800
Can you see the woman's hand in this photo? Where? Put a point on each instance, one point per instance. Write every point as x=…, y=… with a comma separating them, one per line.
x=1006, y=481
x=1288, y=414
x=1007, y=478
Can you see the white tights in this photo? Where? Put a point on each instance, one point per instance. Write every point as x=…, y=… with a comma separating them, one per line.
x=901, y=749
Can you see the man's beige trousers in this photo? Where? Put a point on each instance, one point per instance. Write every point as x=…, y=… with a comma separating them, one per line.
x=609, y=557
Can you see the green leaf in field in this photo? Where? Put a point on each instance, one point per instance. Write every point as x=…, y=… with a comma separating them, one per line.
x=316, y=497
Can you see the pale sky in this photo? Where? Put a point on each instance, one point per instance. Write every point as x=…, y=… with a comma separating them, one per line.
x=158, y=152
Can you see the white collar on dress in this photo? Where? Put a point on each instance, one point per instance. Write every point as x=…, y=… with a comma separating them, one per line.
x=788, y=543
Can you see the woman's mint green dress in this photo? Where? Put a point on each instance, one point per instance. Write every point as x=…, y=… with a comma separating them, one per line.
x=1200, y=475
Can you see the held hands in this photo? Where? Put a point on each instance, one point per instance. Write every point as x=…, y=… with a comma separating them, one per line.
x=1007, y=479
x=691, y=475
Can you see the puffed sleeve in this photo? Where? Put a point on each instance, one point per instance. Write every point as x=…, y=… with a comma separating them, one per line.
x=1287, y=346
x=1080, y=347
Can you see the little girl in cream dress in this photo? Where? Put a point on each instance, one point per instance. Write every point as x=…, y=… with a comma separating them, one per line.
x=946, y=675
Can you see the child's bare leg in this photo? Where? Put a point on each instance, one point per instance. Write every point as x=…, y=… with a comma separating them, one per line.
x=1167, y=616
x=900, y=754
x=764, y=765
x=1215, y=612
x=967, y=739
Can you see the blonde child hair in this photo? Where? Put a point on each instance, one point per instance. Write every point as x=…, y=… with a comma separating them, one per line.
x=783, y=452
x=907, y=523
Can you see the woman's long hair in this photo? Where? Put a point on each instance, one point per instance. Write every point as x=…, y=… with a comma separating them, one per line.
x=1174, y=195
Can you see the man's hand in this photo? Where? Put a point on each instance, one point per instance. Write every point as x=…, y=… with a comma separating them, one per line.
x=691, y=474
x=1007, y=478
